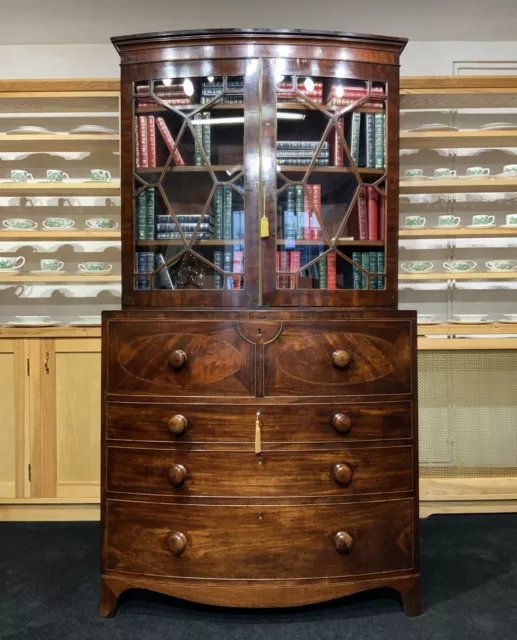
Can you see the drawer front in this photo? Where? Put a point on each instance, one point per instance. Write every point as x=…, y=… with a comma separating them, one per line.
x=266, y=542
x=339, y=358
x=191, y=473
x=179, y=359
x=280, y=423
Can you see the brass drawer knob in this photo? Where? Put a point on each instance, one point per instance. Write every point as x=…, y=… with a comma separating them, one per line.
x=342, y=423
x=341, y=358
x=177, y=424
x=177, y=474
x=342, y=473
x=177, y=543
x=177, y=359
x=344, y=542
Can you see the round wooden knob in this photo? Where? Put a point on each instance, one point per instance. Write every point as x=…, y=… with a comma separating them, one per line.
x=177, y=424
x=177, y=543
x=344, y=542
x=341, y=423
x=177, y=359
x=342, y=473
x=177, y=474
x=340, y=358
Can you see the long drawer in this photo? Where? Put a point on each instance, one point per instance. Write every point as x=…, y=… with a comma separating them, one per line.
x=198, y=473
x=266, y=542
x=304, y=423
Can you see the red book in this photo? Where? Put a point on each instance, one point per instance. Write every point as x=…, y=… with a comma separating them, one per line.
x=338, y=144
x=331, y=270
x=142, y=137
x=237, y=268
x=137, y=144
x=315, y=224
x=284, y=266
x=169, y=141
x=294, y=265
x=362, y=216
x=277, y=269
x=151, y=142
x=307, y=206
x=373, y=213
x=382, y=219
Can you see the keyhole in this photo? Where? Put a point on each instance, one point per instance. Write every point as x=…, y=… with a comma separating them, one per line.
x=260, y=516
x=259, y=332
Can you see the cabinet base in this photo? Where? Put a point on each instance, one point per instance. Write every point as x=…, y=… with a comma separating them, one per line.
x=281, y=594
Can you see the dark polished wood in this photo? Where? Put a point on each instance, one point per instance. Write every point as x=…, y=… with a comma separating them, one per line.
x=259, y=445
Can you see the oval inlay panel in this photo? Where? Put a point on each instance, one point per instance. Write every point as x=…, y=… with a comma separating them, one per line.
x=209, y=359
x=309, y=358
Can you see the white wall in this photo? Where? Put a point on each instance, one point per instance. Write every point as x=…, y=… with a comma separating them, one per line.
x=101, y=60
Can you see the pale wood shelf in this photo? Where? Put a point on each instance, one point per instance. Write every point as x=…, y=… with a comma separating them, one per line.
x=59, y=142
x=59, y=235
x=465, y=344
x=457, y=139
x=450, y=329
x=455, y=185
x=459, y=232
x=21, y=189
x=61, y=331
x=470, y=275
x=78, y=278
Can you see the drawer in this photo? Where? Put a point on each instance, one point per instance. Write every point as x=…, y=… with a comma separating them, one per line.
x=336, y=422
x=339, y=358
x=199, y=473
x=266, y=542
x=174, y=358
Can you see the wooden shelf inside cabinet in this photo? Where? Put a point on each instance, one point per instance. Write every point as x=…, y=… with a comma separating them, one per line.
x=303, y=168
x=457, y=139
x=283, y=169
x=281, y=106
x=59, y=188
x=339, y=243
x=59, y=235
x=492, y=232
x=59, y=142
x=197, y=243
x=78, y=278
x=452, y=185
x=472, y=275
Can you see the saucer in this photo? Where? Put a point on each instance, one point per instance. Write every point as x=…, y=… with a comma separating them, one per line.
x=481, y=226
x=479, y=176
x=414, y=178
x=446, y=226
x=11, y=272
x=508, y=226
x=443, y=177
x=99, y=272
x=60, y=229
x=48, y=273
x=469, y=321
x=45, y=323
x=508, y=174
x=432, y=322
x=22, y=229
x=452, y=271
x=414, y=226
x=507, y=321
x=513, y=270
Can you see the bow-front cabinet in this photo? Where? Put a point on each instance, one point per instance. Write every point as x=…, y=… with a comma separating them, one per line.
x=259, y=443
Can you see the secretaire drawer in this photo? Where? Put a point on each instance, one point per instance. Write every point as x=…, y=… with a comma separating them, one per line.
x=179, y=358
x=216, y=473
x=266, y=542
x=338, y=422
x=329, y=358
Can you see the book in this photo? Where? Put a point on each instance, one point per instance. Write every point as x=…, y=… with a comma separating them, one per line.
x=357, y=277
x=169, y=142
x=301, y=153
x=315, y=219
x=142, y=138
x=331, y=270
x=151, y=142
x=294, y=266
x=381, y=225
x=237, y=268
x=379, y=140
x=283, y=266
x=301, y=144
x=365, y=263
x=141, y=217
x=374, y=265
x=227, y=266
x=362, y=216
x=198, y=143
x=163, y=276
x=380, y=269
x=218, y=261
x=227, y=212
x=290, y=226
x=137, y=143
x=236, y=225
x=207, y=137
x=373, y=213
x=355, y=136
x=301, y=162
x=218, y=213
x=338, y=143
x=182, y=226
x=306, y=209
x=322, y=266
x=370, y=140
x=150, y=204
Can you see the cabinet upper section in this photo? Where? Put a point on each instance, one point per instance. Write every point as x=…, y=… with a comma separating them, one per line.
x=259, y=167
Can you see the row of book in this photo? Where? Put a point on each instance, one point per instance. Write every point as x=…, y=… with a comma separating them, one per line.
x=203, y=140
x=145, y=141
x=299, y=220
x=173, y=95
x=371, y=262
x=368, y=220
x=301, y=152
x=235, y=87
x=366, y=139
x=322, y=272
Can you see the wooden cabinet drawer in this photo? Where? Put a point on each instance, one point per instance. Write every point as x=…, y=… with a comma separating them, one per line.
x=329, y=358
x=198, y=473
x=175, y=358
x=266, y=542
x=339, y=422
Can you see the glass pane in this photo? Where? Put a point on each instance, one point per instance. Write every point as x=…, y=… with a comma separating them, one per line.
x=330, y=189
x=189, y=186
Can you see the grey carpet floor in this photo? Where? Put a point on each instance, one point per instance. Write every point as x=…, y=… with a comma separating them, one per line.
x=49, y=584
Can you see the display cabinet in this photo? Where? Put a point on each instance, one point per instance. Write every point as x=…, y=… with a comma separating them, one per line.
x=259, y=439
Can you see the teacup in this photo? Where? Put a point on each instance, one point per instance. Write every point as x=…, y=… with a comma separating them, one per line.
x=424, y=318
x=413, y=173
x=100, y=175
x=56, y=175
x=19, y=175
x=414, y=221
x=101, y=223
x=8, y=264
x=94, y=266
x=478, y=171
x=459, y=265
x=511, y=218
x=501, y=265
x=510, y=168
x=58, y=223
x=50, y=264
x=448, y=221
x=483, y=219
x=20, y=223
x=444, y=172
x=416, y=266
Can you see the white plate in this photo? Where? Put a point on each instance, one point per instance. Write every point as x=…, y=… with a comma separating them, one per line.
x=514, y=270
x=48, y=273
x=414, y=177
x=432, y=322
x=481, y=226
x=508, y=174
x=443, y=177
x=506, y=321
x=435, y=126
x=83, y=323
x=46, y=323
x=92, y=129
x=479, y=177
x=30, y=129
x=497, y=125
x=104, y=272
x=469, y=321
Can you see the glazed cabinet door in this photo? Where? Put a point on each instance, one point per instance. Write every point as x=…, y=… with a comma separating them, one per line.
x=330, y=175
x=190, y=178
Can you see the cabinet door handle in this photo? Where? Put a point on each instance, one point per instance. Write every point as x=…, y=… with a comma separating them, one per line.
x=344, y=542
x=177, y=359
x=177, y=474
x=177, y=543
x=342, y=423
x=341, y=358
x=177, y=424
x=47, y=358
x=343, y=474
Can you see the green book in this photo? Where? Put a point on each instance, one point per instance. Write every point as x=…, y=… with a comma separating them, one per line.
x=380, y=269
x=356, y=257
x=218, y=261
x=365, y=263
x=379, y=141
x=150, y=202
x=355, y=133
x=370, y=140
x=218, y=213
x=374, y=265
x=198, y=158
x=141, y=216
x=322, y=264
x=207, y=137
x=227, y=213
